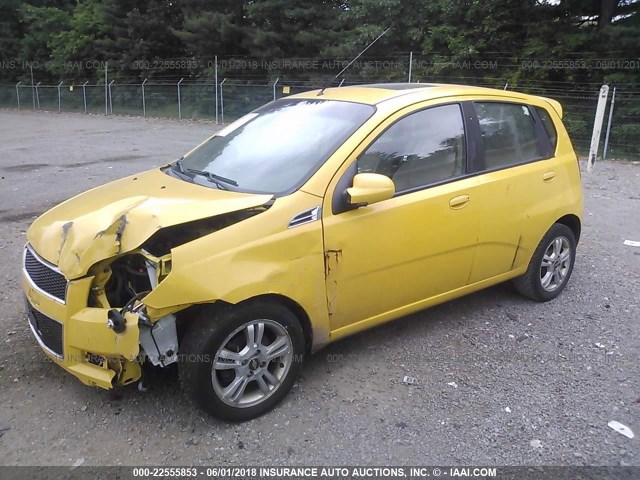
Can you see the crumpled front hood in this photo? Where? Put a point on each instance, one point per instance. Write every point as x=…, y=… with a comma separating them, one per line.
x=119, y=216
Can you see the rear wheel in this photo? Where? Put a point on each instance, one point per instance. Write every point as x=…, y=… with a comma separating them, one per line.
x=550, y=266
x=239, y=362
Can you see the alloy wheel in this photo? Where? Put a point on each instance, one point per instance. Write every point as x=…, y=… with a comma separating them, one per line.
x=556, y=263
x=252, y=363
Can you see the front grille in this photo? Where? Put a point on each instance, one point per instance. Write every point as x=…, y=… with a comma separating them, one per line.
x=47, y=330
x=44, y=276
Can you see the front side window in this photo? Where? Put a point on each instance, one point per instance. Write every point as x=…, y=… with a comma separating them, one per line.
x=277, y=147
x=508, y=134
x=420, y=149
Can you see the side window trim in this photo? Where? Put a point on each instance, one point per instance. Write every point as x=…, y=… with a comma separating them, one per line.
x=475, y=152
x=339, y=203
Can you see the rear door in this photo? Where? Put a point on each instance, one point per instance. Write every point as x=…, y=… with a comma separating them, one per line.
x=516, y=185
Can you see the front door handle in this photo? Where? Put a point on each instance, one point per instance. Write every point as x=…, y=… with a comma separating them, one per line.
x=459, y=202
x=548, y=176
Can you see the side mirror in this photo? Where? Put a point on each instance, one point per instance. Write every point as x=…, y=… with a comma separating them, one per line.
x=370, y=188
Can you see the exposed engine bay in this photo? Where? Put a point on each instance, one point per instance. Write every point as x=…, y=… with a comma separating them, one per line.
x=131, y=276
x=122, y=284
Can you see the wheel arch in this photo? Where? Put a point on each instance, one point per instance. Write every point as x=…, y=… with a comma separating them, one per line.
x=294, y=307
x=573, y=222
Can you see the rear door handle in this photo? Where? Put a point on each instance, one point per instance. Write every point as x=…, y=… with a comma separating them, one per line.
x=459, y=202
x=548, y=176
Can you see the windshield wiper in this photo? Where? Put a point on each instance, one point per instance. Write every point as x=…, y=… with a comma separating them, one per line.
x=178, y=168
x=213, y=178
x=219, y=180
x=178, y=164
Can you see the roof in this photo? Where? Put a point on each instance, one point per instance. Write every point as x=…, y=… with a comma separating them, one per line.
x=374, y=94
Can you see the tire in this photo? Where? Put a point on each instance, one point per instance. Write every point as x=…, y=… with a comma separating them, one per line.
x=550, y=266
x=234, y=378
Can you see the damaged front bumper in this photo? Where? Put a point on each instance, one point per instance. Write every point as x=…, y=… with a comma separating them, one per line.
x=74, y=336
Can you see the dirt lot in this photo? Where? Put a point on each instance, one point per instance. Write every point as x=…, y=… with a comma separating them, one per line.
x=501, y=380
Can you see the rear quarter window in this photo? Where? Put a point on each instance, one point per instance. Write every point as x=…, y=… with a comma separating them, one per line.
x=549, y=127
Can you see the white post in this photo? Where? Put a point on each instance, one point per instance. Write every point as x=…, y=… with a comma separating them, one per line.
x=222, y=101
x=410, y=64
x=274, y=88
x=506, y=85
x=215, y=79
x=18, y=93
x=606, y=137
x=179, y=103
x=341, y=82
x=33, y=90
x=84, y=95
x=106, y=95
x=597, y=126
x=144, y=102
x=59, y=97
x=38, y=94
x=110, y=99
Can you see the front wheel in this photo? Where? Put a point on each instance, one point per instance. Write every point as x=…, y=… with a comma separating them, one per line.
x=550, y=266
x=239, y=362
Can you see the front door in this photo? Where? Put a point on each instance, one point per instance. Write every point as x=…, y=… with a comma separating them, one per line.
x=384, y=259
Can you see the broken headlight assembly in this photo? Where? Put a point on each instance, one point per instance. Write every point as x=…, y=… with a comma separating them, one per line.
x=132, y=276
x=126, y=281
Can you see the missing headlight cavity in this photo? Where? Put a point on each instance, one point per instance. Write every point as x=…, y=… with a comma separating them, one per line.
x=129, y=278
x=165, y=239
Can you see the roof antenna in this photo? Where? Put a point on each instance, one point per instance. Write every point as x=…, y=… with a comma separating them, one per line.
x=352, y=61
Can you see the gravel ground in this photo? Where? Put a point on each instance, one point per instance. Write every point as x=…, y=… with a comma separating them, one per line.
x=500, y=380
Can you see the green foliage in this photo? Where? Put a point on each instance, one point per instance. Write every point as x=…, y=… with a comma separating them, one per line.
x=207, y=29
x=73, y=36
x=281, y=28
x=41, y=25
x=77, y=41
x=10, y=29
x=139, y=30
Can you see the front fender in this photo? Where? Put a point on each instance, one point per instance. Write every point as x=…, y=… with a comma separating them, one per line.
x=257, y=256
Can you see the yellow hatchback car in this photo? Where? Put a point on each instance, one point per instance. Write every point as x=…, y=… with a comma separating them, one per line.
x=312, y=218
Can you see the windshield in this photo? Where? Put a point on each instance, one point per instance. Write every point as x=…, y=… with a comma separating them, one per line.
x=276, y=148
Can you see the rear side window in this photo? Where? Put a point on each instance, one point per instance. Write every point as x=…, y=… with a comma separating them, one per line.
x=508, y=134
x=549, y=127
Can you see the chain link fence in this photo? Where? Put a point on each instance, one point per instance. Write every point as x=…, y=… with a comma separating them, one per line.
x=624, y=139
x=579, y=115
x=229, y=98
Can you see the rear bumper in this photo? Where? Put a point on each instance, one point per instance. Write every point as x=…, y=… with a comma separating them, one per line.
x=77, y=337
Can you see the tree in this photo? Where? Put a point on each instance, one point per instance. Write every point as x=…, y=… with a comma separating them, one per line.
x=211, y=29
x=447, y=36
x=73, y=48
x=139, y=31
x=40, y=24
x=10, y=31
